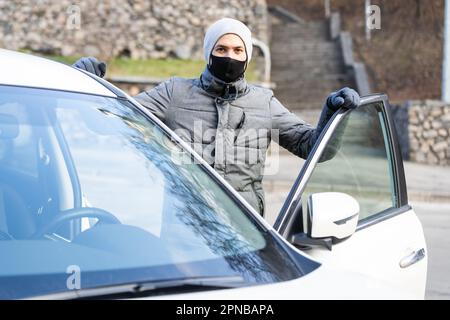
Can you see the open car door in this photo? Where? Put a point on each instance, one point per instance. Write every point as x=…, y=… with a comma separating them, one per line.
x=349, y=204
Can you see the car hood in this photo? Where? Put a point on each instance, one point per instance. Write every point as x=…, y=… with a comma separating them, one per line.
x=325, y=283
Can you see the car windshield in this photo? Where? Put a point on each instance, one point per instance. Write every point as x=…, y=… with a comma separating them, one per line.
x=94, y=193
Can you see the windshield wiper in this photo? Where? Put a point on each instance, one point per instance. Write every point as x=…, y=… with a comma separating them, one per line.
x=142, y=289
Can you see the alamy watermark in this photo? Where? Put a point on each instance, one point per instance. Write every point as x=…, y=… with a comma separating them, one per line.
x=73, y=281
x=373, y=17
x=73, y=21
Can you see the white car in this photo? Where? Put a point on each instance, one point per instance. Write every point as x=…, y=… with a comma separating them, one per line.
x=99, y=199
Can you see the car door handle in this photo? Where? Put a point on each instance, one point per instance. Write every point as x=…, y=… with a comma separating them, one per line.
x=412, y=258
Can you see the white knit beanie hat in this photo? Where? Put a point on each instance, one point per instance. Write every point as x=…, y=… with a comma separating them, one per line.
x=224, y=26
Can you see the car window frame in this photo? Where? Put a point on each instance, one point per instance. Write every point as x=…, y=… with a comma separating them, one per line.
x=292, y=206
x=398, y=173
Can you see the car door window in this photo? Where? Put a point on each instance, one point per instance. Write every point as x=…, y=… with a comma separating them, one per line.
x=361, y=165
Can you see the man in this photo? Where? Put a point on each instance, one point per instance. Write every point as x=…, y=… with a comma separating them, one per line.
x=236, y=120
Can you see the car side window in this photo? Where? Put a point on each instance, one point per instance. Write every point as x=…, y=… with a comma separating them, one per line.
x=361, y=163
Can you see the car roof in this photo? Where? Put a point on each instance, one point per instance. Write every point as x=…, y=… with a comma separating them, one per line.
x=21, y=69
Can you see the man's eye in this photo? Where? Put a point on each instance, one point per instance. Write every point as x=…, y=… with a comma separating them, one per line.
x=219, y=49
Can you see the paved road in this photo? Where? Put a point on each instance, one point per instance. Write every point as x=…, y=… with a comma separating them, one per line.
x=435, y=218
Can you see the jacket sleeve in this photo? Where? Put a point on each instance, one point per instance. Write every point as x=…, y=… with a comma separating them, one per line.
x=158, y=99
x=294, y=134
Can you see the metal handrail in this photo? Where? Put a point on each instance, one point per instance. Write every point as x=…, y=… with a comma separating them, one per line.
x=267, y=62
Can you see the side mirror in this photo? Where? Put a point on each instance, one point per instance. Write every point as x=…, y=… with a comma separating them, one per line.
x=332, y=214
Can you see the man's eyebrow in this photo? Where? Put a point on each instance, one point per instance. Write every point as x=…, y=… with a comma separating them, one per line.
x=224, y=46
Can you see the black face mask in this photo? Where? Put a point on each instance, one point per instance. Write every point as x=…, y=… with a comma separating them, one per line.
x=226, y=69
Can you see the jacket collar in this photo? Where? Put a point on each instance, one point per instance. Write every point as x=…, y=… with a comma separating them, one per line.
x=220, y=89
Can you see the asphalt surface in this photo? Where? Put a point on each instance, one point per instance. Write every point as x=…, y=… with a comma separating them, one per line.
x=435, y=218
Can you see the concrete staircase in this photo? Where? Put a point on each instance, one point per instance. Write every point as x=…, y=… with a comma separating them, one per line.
x=306, y=65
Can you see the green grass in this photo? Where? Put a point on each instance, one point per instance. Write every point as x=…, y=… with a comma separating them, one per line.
x=153, y=68
x=158, y=68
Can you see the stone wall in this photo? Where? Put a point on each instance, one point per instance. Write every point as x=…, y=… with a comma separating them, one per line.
x=429, y=132
x=135, y=28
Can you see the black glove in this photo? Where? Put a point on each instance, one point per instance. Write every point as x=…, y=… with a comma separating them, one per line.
x=344, y=98
x=92, y=65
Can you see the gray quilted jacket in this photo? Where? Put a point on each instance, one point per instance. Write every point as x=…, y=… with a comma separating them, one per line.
x=231, y=126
